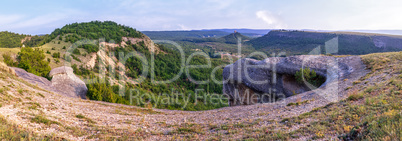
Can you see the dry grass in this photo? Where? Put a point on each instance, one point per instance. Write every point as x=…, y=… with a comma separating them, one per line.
x=10, y=131
x=6, y=69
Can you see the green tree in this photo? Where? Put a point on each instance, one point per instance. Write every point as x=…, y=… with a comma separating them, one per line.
x=33, y=61
x=56, y=55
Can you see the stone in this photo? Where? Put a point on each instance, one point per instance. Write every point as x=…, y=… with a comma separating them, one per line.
x=273, y=78
x=64, y=80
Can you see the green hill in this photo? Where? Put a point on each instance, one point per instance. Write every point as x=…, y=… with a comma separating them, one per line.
x=233, y=38
x=301, y=42
x=95, y=30
x=10, y=40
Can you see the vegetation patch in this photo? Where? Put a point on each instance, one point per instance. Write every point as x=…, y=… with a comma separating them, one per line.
x=41, y=95
x=80, y=116
x=9, y=131
x=34, y=105
x=33, y=61
x=40, y=119
x=298, y=103
x=310, y=76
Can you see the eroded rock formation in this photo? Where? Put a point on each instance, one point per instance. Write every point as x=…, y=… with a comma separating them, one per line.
x=63, y=82
x=64, y=79
x=248, y=81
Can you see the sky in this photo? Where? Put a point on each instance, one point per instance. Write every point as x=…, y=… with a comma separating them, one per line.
x=42, y=17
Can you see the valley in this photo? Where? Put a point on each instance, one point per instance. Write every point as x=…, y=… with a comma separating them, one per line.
x=138, y=86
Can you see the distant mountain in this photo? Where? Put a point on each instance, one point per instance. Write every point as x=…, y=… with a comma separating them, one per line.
x=392, y=32
x=232, y=38
x=180, y=35
x=247, y=32
x=301, y=42
x=205, y=33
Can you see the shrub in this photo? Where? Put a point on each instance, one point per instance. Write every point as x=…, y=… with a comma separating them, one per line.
x=56, y=55
x=90, y=48
x=33, y=61
x=76, y=58
x=8, y=60
x=57, y=60
x=310, y=76
x=76, y=51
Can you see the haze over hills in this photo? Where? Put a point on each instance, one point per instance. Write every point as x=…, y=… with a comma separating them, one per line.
x=301, y=42
x=205, y=33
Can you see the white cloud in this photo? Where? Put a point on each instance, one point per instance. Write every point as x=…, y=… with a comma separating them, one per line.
x=272, y=20
x=183, y=27
x=39, y=21
x=9, y=19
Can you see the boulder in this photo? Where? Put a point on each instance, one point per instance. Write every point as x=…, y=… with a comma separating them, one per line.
x=248, y=81
x=64, y=80
x=34, y=79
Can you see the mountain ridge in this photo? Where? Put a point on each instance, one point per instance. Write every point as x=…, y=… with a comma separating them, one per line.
x=301, y=42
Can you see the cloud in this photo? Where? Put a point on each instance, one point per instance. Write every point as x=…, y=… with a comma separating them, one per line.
x=272, y=20
x=41, y=23
x=183, y=27
x=9, y=19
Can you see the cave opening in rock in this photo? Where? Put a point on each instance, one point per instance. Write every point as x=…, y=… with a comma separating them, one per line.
x=292, y=86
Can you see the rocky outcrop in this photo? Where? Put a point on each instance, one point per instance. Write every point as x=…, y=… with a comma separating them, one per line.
x=63, y=81
x=248, y=80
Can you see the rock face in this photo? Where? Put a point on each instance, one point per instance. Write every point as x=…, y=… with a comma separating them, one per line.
x=63, y=82
x=248, y=81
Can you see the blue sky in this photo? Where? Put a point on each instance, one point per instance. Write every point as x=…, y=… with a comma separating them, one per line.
x=42, y=17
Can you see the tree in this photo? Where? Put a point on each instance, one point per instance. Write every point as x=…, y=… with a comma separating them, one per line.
x=33, y=61
x=56, y=55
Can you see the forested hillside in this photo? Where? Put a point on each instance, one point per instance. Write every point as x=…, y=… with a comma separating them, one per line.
x=167, y=64
x=10, y=40
x=302, y=42
x=228, y=39
x=94, y=30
